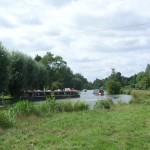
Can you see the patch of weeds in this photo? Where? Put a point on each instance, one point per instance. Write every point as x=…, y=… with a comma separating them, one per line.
x=106, y=104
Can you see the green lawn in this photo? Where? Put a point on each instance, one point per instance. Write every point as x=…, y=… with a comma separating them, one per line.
x=122, y=127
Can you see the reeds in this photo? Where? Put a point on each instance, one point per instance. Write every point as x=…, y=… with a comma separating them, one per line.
x=26, y=108
x=139, y=95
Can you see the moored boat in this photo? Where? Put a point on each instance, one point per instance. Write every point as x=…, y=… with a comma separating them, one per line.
x=36, y=95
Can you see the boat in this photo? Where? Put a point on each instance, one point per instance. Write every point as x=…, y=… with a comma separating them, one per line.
x=85, y=90
x=99, y=92
x=37, y=95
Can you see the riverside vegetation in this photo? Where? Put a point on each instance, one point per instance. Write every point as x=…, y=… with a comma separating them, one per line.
x=65, y=125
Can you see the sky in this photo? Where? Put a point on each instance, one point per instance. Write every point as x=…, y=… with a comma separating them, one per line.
x=92, y=36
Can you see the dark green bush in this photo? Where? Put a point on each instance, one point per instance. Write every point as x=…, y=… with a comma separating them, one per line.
x=103, y=104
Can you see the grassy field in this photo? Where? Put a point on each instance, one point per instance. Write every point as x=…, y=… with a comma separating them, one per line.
x=124, y=126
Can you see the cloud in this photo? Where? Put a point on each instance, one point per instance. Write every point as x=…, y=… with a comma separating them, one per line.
x=58, y=3
x=92, y=36
x=7, y=22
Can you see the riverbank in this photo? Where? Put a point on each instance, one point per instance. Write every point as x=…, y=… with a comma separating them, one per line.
x=125, y=126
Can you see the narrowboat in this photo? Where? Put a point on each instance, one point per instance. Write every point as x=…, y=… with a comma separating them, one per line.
x=38, y=95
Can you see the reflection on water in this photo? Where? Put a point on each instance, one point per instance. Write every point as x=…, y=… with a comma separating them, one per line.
x=91, y=99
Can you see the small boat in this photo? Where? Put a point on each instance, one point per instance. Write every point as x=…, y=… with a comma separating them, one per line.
x=85, y=90
x=99, y=92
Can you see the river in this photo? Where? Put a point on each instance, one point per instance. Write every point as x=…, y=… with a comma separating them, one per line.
x=91, y=98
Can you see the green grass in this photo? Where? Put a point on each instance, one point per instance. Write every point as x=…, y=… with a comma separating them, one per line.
x=121, y=127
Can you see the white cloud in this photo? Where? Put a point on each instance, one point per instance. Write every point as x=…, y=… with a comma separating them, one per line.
x=92, y=36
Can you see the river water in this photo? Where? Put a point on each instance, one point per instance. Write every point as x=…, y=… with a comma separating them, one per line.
x=90, y=98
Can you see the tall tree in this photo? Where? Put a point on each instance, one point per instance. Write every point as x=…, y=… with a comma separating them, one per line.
x=18, y=73
x=4, y=68
x=112, y=84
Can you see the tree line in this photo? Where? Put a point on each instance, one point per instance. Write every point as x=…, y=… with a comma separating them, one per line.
x=21, y=72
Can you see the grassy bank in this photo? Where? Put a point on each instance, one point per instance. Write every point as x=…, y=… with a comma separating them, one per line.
x=121, y=127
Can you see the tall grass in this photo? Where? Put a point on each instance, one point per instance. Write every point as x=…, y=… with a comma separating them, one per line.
x=126, y=91
x=139, y=95
x=103, y=104
x=6, y=120
x=49, y=107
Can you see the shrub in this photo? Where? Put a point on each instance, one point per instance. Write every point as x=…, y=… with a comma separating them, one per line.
x=50, y=104
x=103, y=104
x=23, y=107
x=78, y=106
x=139, y=95
x=5, y=120
x=65, y=106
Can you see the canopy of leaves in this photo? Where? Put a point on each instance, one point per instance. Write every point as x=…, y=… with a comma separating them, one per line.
x=4, y=68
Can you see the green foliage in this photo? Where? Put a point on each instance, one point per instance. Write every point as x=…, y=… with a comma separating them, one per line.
x=23, y=107
x=97, y=83
x=18, y=73
x=78, y=106
x=139, y=95
x=122, y=128
x=112, y=86
x=103, y=104
x=67, y=106
x=77, y=83
x=48, y=107
x=126, y=91
x=4, y=68
x=5, y=120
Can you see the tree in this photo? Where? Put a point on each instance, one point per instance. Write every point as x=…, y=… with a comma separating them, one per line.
x=4, y=68
x=37, y=58
x=139, y=77
x=147, y=71
x=112, y=86
x=98, y=83
x=77, y=83
x=17, y=73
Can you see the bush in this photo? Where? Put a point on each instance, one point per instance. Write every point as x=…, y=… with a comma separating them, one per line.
x=126, y=91
x=139, y=95
x=65, y=106
x=5, y=120
x=112, y=86
x=78, y=106
x=23, y=107
x=56, y=106
x=103, y=104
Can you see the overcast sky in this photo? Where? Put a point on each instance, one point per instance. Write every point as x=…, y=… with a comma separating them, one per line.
x=92, y=36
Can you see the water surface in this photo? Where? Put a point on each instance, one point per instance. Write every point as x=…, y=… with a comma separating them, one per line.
x=91, y=98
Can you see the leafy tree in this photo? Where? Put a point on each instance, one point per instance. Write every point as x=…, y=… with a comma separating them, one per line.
x=18, y=73
x=112, y=86
x=67, y=76
x=42, y=78
x=132, y=81
x=77, y=83
x=37, y=58
x=4, y=68
x=31, y=74
x=145, y=82
x=139, y=77
x=98, y=83
x=147, y=71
